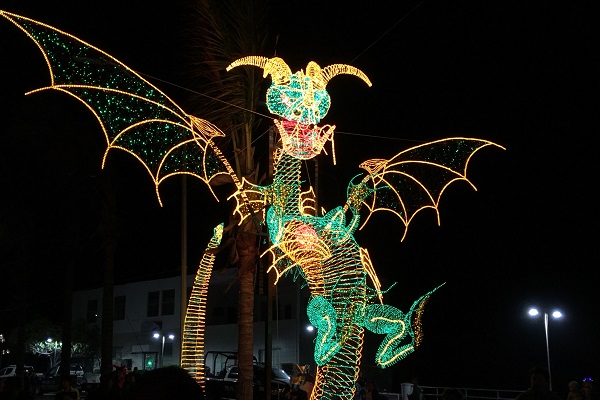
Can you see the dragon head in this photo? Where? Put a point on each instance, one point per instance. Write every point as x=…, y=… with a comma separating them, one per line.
x=301, y=99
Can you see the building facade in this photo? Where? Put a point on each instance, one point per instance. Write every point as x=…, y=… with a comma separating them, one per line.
x=147, y=320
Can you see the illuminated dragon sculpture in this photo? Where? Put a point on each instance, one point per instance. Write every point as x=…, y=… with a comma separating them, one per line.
x=346, y=296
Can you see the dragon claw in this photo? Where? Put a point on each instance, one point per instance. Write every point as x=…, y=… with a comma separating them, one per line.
x=322, y=316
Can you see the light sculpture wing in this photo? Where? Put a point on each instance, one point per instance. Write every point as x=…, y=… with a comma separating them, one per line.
x=134, y=115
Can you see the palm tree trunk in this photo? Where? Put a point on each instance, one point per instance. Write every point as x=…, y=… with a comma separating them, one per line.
x=247, y=250
x=65, y=352
x=106, y=347
x=109, y=231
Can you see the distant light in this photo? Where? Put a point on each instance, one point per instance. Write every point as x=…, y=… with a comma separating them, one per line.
x=533, y=312
x=171, y=336
x=156, y=335
x=49, y=340
x=557, y=314
x=310, y=328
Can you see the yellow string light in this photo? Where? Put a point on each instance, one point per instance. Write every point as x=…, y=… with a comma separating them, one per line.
x=138, y=118
x=192, y=343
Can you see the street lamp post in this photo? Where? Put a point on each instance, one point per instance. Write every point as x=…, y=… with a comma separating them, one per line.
x=157, y=335
x=534, y=312
x=53, y=359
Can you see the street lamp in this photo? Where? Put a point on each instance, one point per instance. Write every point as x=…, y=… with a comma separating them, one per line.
x=534, y=312
x=53, y=360
x=157, y=335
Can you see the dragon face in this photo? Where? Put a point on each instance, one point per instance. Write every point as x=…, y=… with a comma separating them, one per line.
x=302, y=106
x=299, y=100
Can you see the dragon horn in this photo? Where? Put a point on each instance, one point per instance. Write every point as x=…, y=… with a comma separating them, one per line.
x=336, y=69
x=276, y=67
x=315, y=73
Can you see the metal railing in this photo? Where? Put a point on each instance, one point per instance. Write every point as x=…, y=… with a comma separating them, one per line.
x=435, y=393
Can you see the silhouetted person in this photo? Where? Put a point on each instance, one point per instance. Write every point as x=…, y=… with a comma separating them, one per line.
x=417, y=391
x=5, y=389
x=540, y=386
x=102, y=392
x=574, y=391
x=67, y=391
x=588, y=391
x=361, y=388
x=12, y=390
x=121, y=387
x=371, y=393
x=167, y=384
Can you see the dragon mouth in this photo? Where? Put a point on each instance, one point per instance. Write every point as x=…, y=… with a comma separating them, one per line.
x=303, y=141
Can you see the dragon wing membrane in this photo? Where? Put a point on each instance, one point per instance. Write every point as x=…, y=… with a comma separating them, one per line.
x=416, y=178
x=134, y=115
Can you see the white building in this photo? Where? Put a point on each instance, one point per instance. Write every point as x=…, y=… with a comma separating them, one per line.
x=144, y=308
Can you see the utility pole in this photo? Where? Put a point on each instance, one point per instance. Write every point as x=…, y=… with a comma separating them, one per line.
x=183, y=254
x=269, y=316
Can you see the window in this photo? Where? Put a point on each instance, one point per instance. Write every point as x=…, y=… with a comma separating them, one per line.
x=218, y=311
x=119, y=308
x=117, y=352
x=232, y=315
x=161, y=303
x=275, y=355
x=168, y=302
x=168, y=352
x=92, y=311
x=153, y=304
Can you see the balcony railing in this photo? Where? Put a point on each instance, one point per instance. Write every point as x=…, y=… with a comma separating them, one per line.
x=435, y=393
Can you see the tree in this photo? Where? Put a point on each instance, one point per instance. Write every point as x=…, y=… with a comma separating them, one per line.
x=222, y=32
x=44, y=338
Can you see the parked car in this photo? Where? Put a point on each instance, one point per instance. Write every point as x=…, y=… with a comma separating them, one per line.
x=11, y=370
x=91, y=380
x=224, y=387
x=51, y=379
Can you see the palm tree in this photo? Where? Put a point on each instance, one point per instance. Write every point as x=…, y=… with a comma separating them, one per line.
x=222, y=32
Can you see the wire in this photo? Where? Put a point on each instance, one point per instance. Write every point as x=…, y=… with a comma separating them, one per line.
x=307, y=173
x=272, y=118
x=380, y=137
x=204, y=95
x=277, y=39
x=259, y=136
x=388, y=31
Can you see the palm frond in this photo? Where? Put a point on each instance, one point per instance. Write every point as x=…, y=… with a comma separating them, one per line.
x=223, y=31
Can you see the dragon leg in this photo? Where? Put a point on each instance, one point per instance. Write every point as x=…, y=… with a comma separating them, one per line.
x=390, y=321
x=323, y=316
x=192, y=345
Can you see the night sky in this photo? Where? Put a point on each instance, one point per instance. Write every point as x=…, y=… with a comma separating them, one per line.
x=520, y=74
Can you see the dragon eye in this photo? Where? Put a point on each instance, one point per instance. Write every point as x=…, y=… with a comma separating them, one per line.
x=297, y=112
